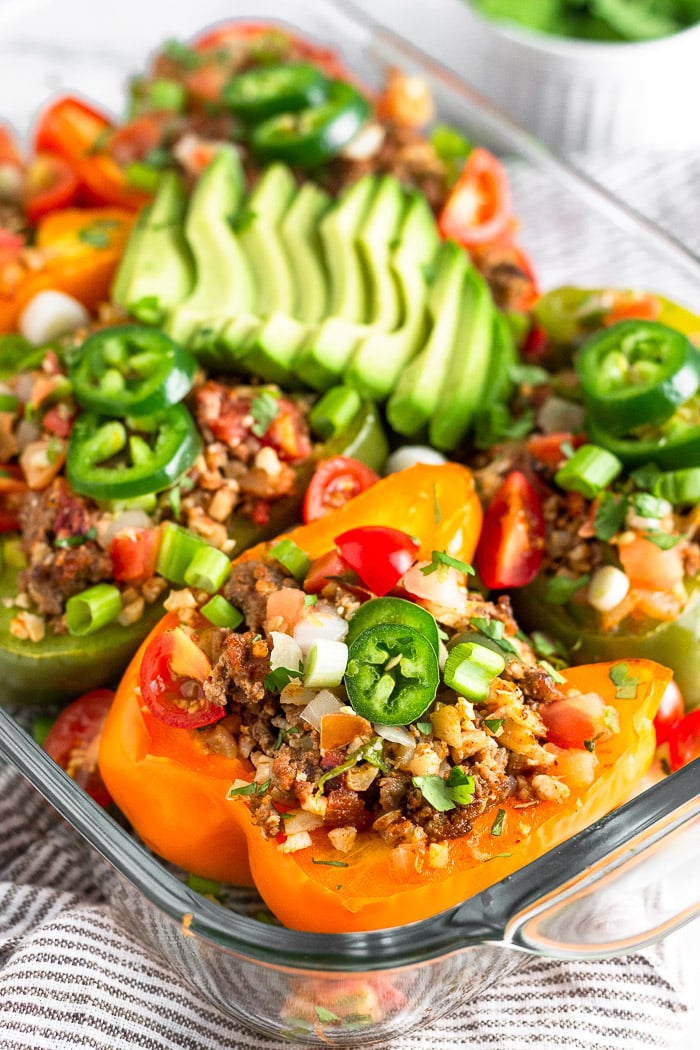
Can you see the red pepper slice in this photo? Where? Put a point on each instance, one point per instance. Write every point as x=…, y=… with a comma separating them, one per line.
x=511, y=545
x=73, y=741
x=379, y=555
x=335, y=481
x=479, y=207
x=172, y=668
x=670, y=712
x=51, y=183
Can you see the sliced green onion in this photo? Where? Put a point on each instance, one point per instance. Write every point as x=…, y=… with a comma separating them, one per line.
x=679, y=486
x=93, y=609
x=221, y=613
x=589, y=471
x=8, y=403
x=325, y=664
x=334, y=411
x=471, y=668
x=178, y=547
x=289, y=554
x=208, y=570
x=167, y=94
x=143, y=176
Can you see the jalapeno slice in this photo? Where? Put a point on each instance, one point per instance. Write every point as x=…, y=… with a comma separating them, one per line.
x=393, y=610
x=311, y=136
x=131, y=371
x=392, y=674
x=635, y=373
x=268, y=90
x=115, y=459
x=671, y=451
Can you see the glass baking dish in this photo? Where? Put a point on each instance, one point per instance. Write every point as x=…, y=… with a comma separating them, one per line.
x=626, y=881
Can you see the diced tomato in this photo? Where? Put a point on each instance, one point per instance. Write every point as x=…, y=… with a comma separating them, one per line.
x=74, y=738
x=335, y=481
x=171, y=676
x=134, y=140
x=684, y=740
x=284, y=609
x=324, y=569
x=379, y=555
x=577, y=721
x=58, y=420
x=134, y=553
x=649, y=567
x=547, y=448
x=670, y=712
x=535, y=343
x=287, y=433
x=640, y=308
x=511, y=546
x=206, y=84
x=51, y=183
x=479, y=207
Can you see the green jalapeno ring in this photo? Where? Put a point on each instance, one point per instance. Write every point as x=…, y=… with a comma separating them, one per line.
x=100, y=449
x=311, y=136
x=392, y=674
x=265, y=91
x=680, y=449
x=635, y=373
x=393, y=610
x=131, y=371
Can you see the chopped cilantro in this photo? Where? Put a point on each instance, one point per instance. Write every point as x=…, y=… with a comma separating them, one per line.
x=326, y=1015
x=436, y=506
x=372, y=752
x=331, y=863
x=498, y=856
x=244, y=790
x=264, y=409
x=93, y=236
x=276, y=680
x=625, y=683
x=495, y=630
x=561, y=589
x=663, y=540
x=610, y=515
x=546, y=646
x=425, y=728
x=310, y=599
x=439, y=558
x=528, y=375
x=493, y=724
x=497, y=826
x=77, y=540
x=648, y=506
x=444, y=795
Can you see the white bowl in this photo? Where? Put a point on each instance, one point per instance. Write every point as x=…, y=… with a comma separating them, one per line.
x=580, y=95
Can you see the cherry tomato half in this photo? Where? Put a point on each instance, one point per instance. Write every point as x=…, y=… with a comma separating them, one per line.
x=74, y=739
x=336, y=481
x=479, y=207
x=684, y=740
x=171, y=673
x=576, y=721
x=50, y=184
x=379, y=555
x=511, y=546
x=671, y=710
x=134, y=553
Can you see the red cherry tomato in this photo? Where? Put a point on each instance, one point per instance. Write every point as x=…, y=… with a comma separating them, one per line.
x=74, y=738
x=479, y=207
x=323, y=569
x=170, y=677
x=13, y=489
x=671, y=710
x=336, y=481
x=134, y=553
x=379, y=555
x=684, y=740
x=136, y=139
x=510, y=549
x=547, y=448
x=50, y=184
x=575, y=721
x=231, y=35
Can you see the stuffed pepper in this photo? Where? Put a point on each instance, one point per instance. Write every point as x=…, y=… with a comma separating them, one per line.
x=351, y=725
x=591, y=499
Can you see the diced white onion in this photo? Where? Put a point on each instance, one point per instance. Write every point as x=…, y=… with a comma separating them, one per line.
x=293, y=843
x=365, y=144
x=285, y=652
x=442, y=654
x=127, y=519
x=301, y=821
x=325, y=664
x=295, y=693
x=395, y=734
x=324, y=703
x=608, y=586
x=319, y=621
x=51, y=314
x=445, y=587
x=27, y=432
x=409, y=455
x=557, y=414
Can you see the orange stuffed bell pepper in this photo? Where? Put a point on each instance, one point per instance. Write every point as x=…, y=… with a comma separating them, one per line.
x=170, y=786
x=391, y=744
x=77, y=251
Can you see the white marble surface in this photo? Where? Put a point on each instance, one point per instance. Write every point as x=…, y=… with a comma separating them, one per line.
x=47, y=46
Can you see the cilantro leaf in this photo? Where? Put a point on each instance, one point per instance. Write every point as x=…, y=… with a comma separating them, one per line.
x=561, y=589
x=610, y=515
x=264, y=409
x=276, y=680
x=495, y=630
x=497, y=826
x=493, y=724
x=664, y=540
x=444, y=795
x=625, y=683
x=439, y=558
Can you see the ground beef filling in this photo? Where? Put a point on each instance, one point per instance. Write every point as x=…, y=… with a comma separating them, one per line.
x=286, y=750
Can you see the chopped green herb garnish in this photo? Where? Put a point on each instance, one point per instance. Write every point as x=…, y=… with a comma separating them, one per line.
x=663, y=540
x=439, y=558
x=610, y=515
x=561, y=589
x=493, y=724
x=497, y=826
x=244, y=790
x=75, y=541
x=444, y=795
x=528, y=375
x=331, y=863
x=264, y=409
x=425, y=728
x=546, y=646
x=93, y=236
x=495, y=630
x=495, y=423
x=326, y=1015
x=625, y=683
x=276, y=680
x=552, y=672
x=372, y=752
x=310, y=599
x=498, y=856
x=436, y=506
x=282, y=736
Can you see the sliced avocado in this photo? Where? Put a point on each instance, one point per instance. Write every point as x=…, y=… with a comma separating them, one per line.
x=271, y=348
x=299, y=233
x=413, y=403
x=261, y=242
x=375, y=241
x=464, y=381
x=232, y=341
x=224, y=284
x=323, y=357
x=339, y=229
x=380, y=357
x=156, y=271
